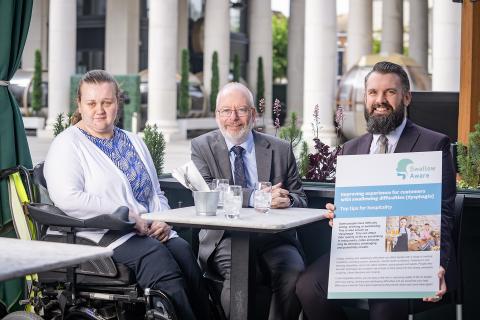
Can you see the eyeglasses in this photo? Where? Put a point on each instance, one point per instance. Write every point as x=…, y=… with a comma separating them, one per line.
x=241, y=112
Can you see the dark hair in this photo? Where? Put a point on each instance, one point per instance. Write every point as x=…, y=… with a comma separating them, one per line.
x=96, y=77
x=385, y=67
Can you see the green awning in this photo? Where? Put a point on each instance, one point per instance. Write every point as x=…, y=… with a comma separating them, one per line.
x=14, y=22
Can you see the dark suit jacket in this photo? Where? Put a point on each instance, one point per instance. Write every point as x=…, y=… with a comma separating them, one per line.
x=275, y=163
x=418, y=139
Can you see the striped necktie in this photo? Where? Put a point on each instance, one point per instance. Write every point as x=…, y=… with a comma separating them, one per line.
x=382, y=144
x=239, y=167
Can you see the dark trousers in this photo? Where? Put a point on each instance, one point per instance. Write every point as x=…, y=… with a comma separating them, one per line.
x=312, y=290
x=170, y=267
x=280, y=264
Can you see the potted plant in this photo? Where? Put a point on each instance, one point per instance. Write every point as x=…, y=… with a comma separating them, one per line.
x=468, y=159
x=155, y=142
x=33, y=118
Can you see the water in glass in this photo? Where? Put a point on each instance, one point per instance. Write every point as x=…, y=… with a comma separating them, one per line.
x=262, y=199
x=219, y=185
x=232, y=202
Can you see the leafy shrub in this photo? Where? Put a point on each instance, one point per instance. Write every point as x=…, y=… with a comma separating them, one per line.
x=155, y=142
x=215, y=82
x=184, y=99
x=468, y=158
x=61, y=123
x=37, y=84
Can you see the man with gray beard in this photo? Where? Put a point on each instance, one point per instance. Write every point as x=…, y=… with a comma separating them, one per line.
x=387, y=96
x=244, y=157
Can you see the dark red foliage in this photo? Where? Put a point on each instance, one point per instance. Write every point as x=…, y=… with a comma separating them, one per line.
x=322, y=165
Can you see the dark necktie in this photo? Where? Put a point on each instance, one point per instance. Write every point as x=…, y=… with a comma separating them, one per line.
x=382, y=144
x=239, y=167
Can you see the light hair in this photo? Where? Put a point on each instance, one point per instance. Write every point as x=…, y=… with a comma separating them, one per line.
x=235, y=86
x=95, y=77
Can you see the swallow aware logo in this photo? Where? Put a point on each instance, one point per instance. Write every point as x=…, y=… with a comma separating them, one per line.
x=407, y=169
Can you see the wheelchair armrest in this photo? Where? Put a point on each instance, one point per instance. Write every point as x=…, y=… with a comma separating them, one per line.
x=50, y=215
x=118, y=221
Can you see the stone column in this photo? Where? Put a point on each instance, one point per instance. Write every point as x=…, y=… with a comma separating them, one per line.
x=122, y=36
x=37, y=36
x=296, y=45
x=217, y=38
x=260, y=45
x=162, y=61
x=320, y=68
x=446, y=46
x=62, y=39
x=392, y=26
x=418, y=34
x=182, y=39
x=359, y=31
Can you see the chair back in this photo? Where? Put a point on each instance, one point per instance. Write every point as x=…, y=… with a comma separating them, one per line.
x=457, y=238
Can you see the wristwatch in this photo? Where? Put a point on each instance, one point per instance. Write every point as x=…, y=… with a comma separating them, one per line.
x=291, y=200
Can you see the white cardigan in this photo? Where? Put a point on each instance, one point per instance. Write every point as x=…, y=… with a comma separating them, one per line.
x=84, y=182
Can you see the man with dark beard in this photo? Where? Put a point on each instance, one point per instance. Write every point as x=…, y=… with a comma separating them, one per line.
x=244, y=157
x=387, y=96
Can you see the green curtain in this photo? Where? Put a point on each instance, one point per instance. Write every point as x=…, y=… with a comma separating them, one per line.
x=14, y=22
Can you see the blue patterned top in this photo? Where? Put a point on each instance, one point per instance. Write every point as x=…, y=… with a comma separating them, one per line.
x=120, y=150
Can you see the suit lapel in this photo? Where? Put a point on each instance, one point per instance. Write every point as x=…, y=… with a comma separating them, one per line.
x=221, y=155
x=408, y=138
x=263, y=155
x=364, y=144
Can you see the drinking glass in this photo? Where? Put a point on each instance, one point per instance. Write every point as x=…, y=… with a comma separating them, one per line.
x=262, y=199
x=219, y=185
x=232, y=202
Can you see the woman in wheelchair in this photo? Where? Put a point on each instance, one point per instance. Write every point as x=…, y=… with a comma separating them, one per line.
x=93, y=167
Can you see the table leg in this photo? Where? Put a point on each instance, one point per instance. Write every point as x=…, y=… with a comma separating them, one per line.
x=242, y=277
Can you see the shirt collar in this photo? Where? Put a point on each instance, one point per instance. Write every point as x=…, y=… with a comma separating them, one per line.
x=393, y=136
x=247, y=145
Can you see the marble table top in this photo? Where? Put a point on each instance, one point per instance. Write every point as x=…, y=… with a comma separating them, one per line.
x=22, y=257
x=250, y=220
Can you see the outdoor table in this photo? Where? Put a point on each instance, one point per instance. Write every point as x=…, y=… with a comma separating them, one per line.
x=22, y=257
x=242, y=230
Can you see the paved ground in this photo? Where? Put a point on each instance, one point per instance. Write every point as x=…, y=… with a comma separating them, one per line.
x=177, y=153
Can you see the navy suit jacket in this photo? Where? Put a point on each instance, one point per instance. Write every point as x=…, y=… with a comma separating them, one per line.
x=418, y=139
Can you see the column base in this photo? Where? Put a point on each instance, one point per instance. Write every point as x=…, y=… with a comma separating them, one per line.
x=47, y=132
x=169, y=129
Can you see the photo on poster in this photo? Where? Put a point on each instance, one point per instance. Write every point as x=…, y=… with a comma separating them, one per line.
x=412, y=233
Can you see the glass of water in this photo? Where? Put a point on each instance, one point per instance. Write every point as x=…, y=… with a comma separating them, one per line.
x=232, y=202
x=262, y=200
x=219, y=185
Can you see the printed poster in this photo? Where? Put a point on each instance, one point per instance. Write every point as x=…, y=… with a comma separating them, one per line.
x=386, y=232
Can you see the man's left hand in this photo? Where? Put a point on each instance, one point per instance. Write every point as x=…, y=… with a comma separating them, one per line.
x=159, y=230
x=280, y=198
x=443, y=287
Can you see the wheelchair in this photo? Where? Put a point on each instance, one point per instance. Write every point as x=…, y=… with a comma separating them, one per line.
x=98, y=289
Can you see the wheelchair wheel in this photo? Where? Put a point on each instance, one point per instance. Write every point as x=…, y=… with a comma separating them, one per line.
x=22, y=315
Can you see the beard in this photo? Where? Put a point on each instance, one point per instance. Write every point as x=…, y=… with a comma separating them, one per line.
x=238, y=137
x=384, y=124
